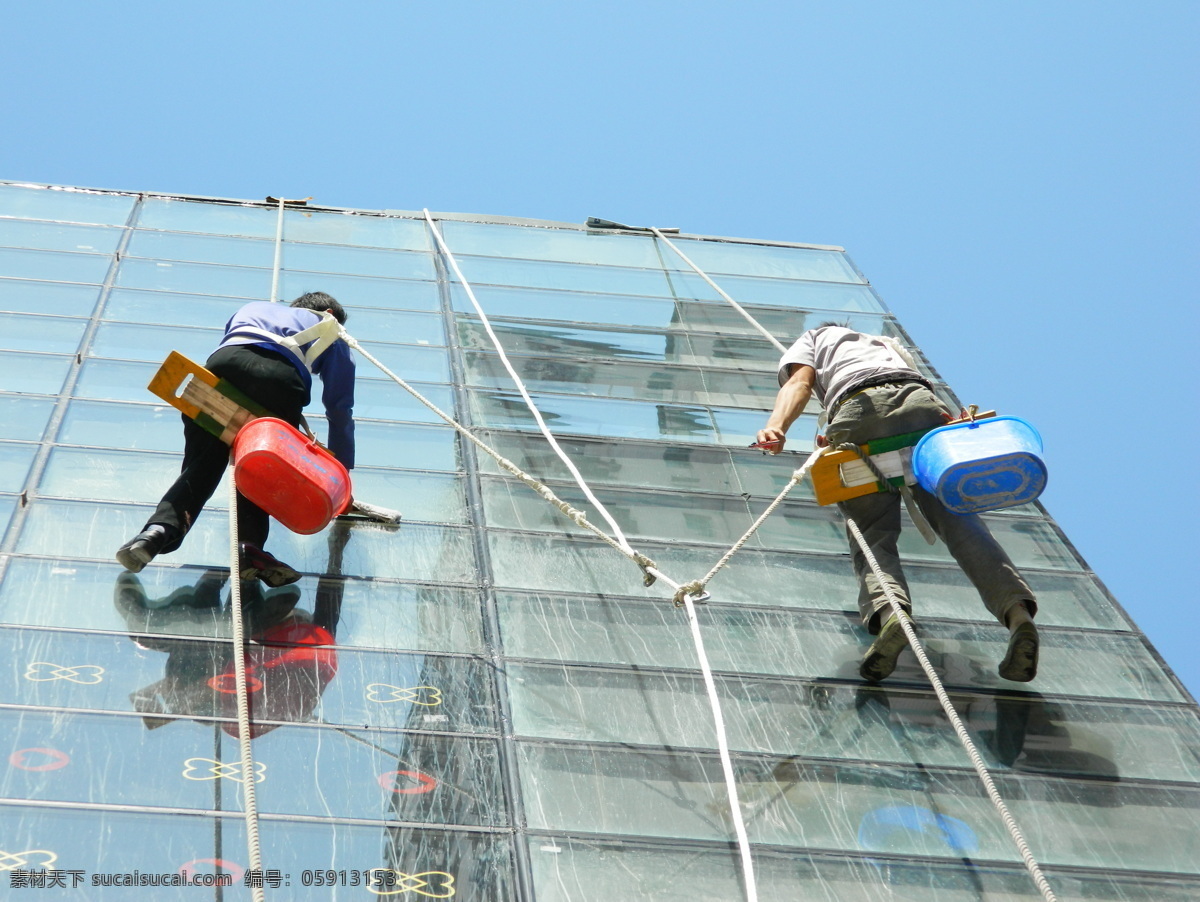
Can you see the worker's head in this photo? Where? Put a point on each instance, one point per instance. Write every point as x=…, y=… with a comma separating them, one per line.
x=835, y=324
x=320, y=302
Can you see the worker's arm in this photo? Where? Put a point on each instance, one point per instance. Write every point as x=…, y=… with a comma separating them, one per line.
x=789, y=404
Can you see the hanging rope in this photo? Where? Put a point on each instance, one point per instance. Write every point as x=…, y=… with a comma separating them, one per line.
x=980, y=768
x=541, y=423
x=238, y=641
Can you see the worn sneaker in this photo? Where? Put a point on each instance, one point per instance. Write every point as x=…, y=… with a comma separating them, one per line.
x=262, y=565
x=142, y=548
x=880, y=659
x=1021, y=661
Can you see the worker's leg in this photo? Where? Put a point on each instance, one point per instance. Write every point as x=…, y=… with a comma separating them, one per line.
x=878, y=519
x=988, y=566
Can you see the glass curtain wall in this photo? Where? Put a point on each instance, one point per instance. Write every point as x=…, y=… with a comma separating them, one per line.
x=487, y=703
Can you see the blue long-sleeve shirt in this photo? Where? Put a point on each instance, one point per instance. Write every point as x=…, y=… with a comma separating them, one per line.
x=335, y=365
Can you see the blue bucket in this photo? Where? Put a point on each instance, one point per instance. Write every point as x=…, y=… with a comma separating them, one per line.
x=986, y=465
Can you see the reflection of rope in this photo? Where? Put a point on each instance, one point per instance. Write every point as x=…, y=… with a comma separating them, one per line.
x=980, y=768
x=238, y=640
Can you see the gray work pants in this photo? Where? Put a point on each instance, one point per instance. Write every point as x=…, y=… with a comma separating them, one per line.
x=893, y=410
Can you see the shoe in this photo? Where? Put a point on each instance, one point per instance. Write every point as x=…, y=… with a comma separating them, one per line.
x=262, y=565
x=1021, y=662
x=880, y=659
x=142, y=548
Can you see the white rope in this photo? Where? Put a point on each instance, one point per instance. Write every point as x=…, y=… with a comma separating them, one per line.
x=717, y=288
x=238, y=640
x=603, y=511
x=980, y=768
x=278, y=254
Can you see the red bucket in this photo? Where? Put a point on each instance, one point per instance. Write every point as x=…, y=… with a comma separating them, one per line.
x=289, y=476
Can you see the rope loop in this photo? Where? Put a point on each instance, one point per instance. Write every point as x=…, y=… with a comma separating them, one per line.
x=695, y=588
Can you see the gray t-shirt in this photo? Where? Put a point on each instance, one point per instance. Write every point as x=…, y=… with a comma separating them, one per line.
x=843, y=358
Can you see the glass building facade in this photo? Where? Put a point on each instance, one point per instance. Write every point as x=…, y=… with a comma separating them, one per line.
x=486, y=703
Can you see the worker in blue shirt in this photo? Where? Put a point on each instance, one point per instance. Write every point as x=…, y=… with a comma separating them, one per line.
x=270, y=352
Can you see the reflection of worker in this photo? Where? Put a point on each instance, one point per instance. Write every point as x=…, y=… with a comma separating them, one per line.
x=871, y=389
x=270, y=352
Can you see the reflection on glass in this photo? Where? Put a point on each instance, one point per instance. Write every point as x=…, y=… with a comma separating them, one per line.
x=24, y=419
x=201, y=248
x=40, y=333
x=593, y=416
x=195, y=278
x=565, y=306
x=396, y=294
x=14, y=465
x=221, y=219
x=168, y=308
x=351, y=228
x=406, y=446
x=359, y=261
x=896, y=811
x=564, y=245
x=434, y=497
x=736, y=258
x=134, y=342
x=115, y=380
x=384, y=400
x=560, y=340
x=598, y=871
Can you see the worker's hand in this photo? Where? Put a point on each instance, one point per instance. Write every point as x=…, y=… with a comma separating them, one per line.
x=771, y=440
x=822, y=442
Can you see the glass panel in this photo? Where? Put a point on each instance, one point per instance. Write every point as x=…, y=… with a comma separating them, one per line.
x=133, y=342
x=52, y=266
x=598, y=871
x=59, y=237
x=14, y=465
x=419, y=496
x=566, y=245
x=40, y=333
x=47, y=297
x=407, y=362
x=593, y=416
x=1030, y=543
x=576, y=342
x=351, y=228
x=739, y=428
x=37, y=373
x=319, y=773
x=567, y=307
x=8, y=504
x=191, y=602
x=186, y=678
x=622, y=379
x=96, y=845
x=24, y=419
x=762, y=260
x=890, y=810
x=196, y=216
x=626, y=463
x=359, y=261
x=88, y=530
x=170, y=309
x=69, y=205
x=394, y=294
x=387, y=401
x=829, y=302
x=201, y=248
x=779, y=293
x=115, y=379
x=397, y=326
x=1027, y=734
x=108, y=475
x=199, y=278
x=406, y=446
x=531, y=274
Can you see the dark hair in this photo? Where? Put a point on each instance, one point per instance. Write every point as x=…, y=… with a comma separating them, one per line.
x=845, y=325
x=320, y=301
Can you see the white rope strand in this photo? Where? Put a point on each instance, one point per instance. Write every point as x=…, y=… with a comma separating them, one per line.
x=717, y=288
x=603, y=511
x=980, y=768
x=238, y=640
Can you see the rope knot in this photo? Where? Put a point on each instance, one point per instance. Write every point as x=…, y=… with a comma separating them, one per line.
x=695, y=589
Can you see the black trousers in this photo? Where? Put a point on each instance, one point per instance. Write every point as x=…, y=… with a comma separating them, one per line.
x=275, y=383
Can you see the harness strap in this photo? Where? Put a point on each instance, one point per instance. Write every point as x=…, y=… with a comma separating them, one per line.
x=322, y=334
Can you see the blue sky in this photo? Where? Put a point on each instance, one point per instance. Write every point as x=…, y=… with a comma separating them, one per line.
x=1018, y=180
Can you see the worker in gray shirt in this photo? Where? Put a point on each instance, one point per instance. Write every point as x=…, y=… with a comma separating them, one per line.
x=871, y=389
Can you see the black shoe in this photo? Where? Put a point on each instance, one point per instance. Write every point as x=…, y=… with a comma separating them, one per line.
x=142, y=548
x=880, y=659
x=261, y=565
x=1021, y=661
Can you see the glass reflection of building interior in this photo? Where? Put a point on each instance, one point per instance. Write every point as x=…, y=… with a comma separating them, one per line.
x=486, y=699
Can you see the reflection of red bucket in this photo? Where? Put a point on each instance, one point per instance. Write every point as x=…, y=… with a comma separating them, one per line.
x=293, y=479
